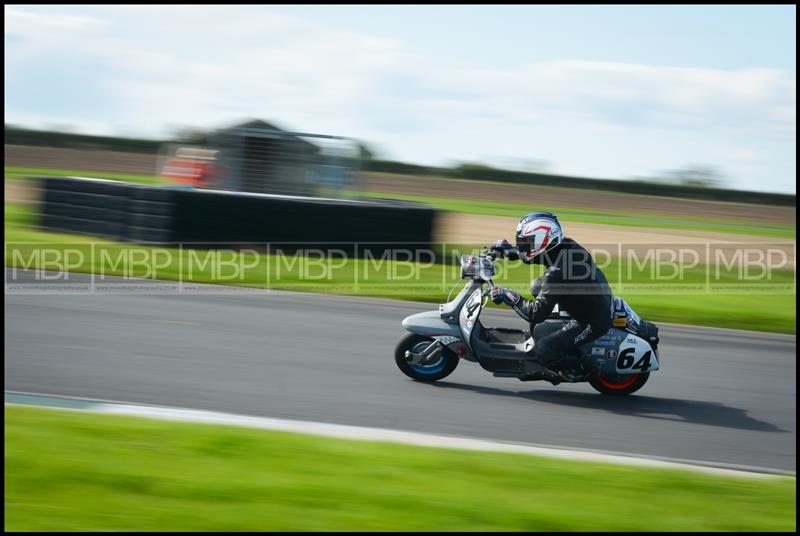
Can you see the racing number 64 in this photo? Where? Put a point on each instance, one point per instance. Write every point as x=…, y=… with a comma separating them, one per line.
x=626, y=360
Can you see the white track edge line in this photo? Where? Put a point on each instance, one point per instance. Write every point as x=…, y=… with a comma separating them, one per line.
x=396, y=436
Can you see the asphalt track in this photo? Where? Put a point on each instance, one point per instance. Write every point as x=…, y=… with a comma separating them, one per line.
x=724, y=398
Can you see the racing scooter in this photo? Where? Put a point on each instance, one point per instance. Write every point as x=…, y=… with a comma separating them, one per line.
x=618, y=363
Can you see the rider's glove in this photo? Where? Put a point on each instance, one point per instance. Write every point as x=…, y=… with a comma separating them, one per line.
x=501, y=245
x=507, y=296
x=505, y=249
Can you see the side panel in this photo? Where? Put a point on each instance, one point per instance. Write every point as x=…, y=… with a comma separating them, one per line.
x=635, y=355
x=619, y=352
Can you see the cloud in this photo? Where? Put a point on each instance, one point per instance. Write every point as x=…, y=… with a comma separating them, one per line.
x=210, y=65
x=668, y=97
x=22, y=22
x=24, y=29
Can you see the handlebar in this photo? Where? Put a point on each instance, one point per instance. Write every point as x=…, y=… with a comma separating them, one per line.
x=479, y=267
x=492, y=254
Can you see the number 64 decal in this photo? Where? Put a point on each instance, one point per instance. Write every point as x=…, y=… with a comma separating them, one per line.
x=637, y=358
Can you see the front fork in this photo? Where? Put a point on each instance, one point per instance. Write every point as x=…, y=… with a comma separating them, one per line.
x=429, y=354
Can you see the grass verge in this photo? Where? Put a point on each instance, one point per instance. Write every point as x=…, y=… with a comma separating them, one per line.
x=88, y=472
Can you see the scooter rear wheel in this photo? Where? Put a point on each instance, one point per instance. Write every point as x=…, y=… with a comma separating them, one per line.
x=430, y=372
x=619, y=385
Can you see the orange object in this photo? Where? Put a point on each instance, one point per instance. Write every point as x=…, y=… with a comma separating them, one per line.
x=189, y=171
x=624, y=384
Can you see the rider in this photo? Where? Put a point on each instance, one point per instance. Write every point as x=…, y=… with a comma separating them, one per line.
x=572, y=280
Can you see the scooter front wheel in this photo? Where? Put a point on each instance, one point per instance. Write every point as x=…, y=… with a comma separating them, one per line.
x=429, y=372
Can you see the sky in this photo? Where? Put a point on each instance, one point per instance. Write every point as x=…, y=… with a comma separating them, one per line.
x=614, y=92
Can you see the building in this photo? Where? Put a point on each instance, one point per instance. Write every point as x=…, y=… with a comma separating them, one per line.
x=257, y=156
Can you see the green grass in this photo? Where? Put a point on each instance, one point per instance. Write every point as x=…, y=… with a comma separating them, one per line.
x=666, y=221
x=12, y=172
x=72, y=471
x=17, y=215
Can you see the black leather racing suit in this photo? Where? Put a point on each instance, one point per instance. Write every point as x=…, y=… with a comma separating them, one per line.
x=577, y=285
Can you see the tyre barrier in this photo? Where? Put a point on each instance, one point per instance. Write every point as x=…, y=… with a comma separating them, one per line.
x=87, y=206
x=211, y=218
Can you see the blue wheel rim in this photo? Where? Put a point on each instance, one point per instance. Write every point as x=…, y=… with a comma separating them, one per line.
x=431, y=368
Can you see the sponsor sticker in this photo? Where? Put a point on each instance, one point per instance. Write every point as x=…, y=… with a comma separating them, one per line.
x=612, y=354
x=598, y=350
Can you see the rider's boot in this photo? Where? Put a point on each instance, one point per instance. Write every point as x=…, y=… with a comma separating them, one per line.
x=568, y=368
x=534, y=370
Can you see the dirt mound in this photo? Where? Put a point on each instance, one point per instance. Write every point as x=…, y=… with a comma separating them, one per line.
x=80, y=159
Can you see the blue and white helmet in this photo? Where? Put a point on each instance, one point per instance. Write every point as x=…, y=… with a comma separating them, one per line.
x=536, y=233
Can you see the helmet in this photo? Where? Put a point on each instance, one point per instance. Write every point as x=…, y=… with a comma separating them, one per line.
x=536, y=233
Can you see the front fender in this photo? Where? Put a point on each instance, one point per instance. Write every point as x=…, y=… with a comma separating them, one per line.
x=430, y=324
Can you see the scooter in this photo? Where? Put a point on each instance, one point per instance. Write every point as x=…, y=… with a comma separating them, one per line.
x=618, y=363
